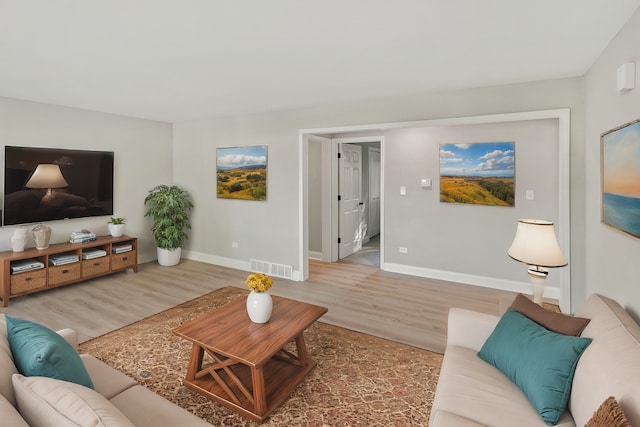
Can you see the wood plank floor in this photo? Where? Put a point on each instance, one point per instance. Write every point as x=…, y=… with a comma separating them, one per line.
x=406, y=309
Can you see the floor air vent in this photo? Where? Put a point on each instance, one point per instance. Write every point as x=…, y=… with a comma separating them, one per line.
x=272, y=269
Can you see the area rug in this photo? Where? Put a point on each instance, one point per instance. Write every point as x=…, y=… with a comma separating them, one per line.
x=359, y=380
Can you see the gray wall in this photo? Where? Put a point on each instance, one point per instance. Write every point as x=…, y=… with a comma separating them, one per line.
x=269, y=230
x=467, y=239
x=612, y=257
x=315, y=199
x=143, y=158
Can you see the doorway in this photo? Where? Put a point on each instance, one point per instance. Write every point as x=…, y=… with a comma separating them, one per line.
x=359, y=176
x=323, y=188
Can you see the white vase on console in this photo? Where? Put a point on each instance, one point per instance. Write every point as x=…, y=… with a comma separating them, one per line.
x=41, y=235
x=19, y=239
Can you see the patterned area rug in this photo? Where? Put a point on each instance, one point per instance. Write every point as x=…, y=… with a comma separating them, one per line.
x=360, y=380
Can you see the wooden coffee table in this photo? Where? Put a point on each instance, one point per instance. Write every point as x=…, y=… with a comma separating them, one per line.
x=251, y=372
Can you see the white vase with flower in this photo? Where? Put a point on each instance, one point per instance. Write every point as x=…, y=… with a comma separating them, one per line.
x=259, y=302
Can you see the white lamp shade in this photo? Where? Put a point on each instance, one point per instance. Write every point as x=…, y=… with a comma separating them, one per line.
x=47, y=176
x=535, y=244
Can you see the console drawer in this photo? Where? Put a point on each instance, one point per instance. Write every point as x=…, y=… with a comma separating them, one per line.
x=124, y=260
x=28, y=281
x=64, y=273
x=95, y=267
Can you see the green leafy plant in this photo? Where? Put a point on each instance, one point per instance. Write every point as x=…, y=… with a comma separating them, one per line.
x=116, y=220
x=169, y=206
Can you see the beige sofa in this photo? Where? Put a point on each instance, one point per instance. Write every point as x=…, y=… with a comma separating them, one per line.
x=471, y=392
x=140, y=406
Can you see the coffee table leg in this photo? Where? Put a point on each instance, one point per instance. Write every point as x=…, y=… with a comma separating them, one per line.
x=302, y=350
x=195, y=362
x=259, y=391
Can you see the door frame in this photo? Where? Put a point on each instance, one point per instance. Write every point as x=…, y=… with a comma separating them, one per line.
x=332, y=225
x=369, y=151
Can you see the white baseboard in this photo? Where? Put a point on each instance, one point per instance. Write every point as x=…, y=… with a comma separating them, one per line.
x=315, y=255
x=228, y=262
x=552, y=292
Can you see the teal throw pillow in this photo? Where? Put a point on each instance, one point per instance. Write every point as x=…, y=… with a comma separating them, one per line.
x=540, y=362
x=40, y=352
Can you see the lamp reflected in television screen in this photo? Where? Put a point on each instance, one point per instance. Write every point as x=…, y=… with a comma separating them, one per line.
x=46, y=184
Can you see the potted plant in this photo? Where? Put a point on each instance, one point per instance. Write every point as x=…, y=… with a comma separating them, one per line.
x=169, y=206
x=116, y=226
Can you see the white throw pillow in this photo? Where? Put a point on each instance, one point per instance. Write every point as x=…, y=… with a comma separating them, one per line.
x=47, y=402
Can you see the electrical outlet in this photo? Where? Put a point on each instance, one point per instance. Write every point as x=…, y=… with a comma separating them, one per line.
x=234, y=245
x=402, y=250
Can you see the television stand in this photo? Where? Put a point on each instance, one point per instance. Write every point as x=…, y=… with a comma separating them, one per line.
x=36, y=270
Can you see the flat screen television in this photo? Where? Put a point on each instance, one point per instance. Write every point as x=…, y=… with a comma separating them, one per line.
x=46, y=184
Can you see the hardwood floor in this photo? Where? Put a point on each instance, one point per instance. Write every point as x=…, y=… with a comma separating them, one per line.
x=402, y=308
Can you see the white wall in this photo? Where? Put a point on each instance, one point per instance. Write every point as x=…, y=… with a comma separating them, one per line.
x=269, y=230
x=142, y=159
x=612, y=257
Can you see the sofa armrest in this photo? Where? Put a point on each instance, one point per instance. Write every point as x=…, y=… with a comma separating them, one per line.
x=70, y=336
x=469, y=329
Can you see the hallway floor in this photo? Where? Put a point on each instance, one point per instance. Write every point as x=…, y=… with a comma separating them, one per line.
x=368, y=255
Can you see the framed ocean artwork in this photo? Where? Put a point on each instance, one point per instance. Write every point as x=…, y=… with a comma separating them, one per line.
x=480, y=173
x=620, y=157
x=241, y=172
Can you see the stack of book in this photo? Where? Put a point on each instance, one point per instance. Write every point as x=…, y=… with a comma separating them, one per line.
x=82, y=237
x=91, y=253
x=61, y=259
x=118, y=249
x=25, y=265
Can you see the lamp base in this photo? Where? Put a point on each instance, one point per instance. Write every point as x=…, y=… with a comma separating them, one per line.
x=537, y=279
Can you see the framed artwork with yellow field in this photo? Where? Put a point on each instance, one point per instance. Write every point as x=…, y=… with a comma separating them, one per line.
x=241, y=172
x=480, y=173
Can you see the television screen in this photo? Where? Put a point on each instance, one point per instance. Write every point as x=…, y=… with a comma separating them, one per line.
x=45, y=184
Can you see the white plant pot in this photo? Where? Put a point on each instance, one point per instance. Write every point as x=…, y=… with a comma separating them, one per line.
x=168, y=258
x=116, y=230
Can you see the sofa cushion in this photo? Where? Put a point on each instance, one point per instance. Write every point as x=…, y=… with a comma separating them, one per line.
x=473, y=389
x=9, y=415
x=556, y=322
x=107, y=381
x=44, y=401
x=7, y=367
x=539, y=361
x=39, y=351
x=446, y=418
x=147, y=409
x=609, y=414
x=611, y=364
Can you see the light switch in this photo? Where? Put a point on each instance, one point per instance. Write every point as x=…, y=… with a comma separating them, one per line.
x=425, y=183
x=528, y=195
x=403, y=191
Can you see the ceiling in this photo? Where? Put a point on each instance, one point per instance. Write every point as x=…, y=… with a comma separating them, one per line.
x=176, y=60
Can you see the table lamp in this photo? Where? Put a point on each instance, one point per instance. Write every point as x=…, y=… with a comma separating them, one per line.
x=535, y=244
x=47, y=176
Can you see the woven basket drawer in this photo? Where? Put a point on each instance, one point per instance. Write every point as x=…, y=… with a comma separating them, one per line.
x=123, y=261
x=96, y=266
x=28, y=281
x=64, y=273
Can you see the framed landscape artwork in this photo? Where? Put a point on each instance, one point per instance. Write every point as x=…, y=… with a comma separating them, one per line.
x=620, y=157
x=241, y=172
x=478, y=173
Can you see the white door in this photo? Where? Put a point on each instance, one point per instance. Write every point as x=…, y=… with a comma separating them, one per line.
x=374, y=192
x=352, y=226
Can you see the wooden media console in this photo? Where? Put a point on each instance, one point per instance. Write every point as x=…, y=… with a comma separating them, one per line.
x=13, y=284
